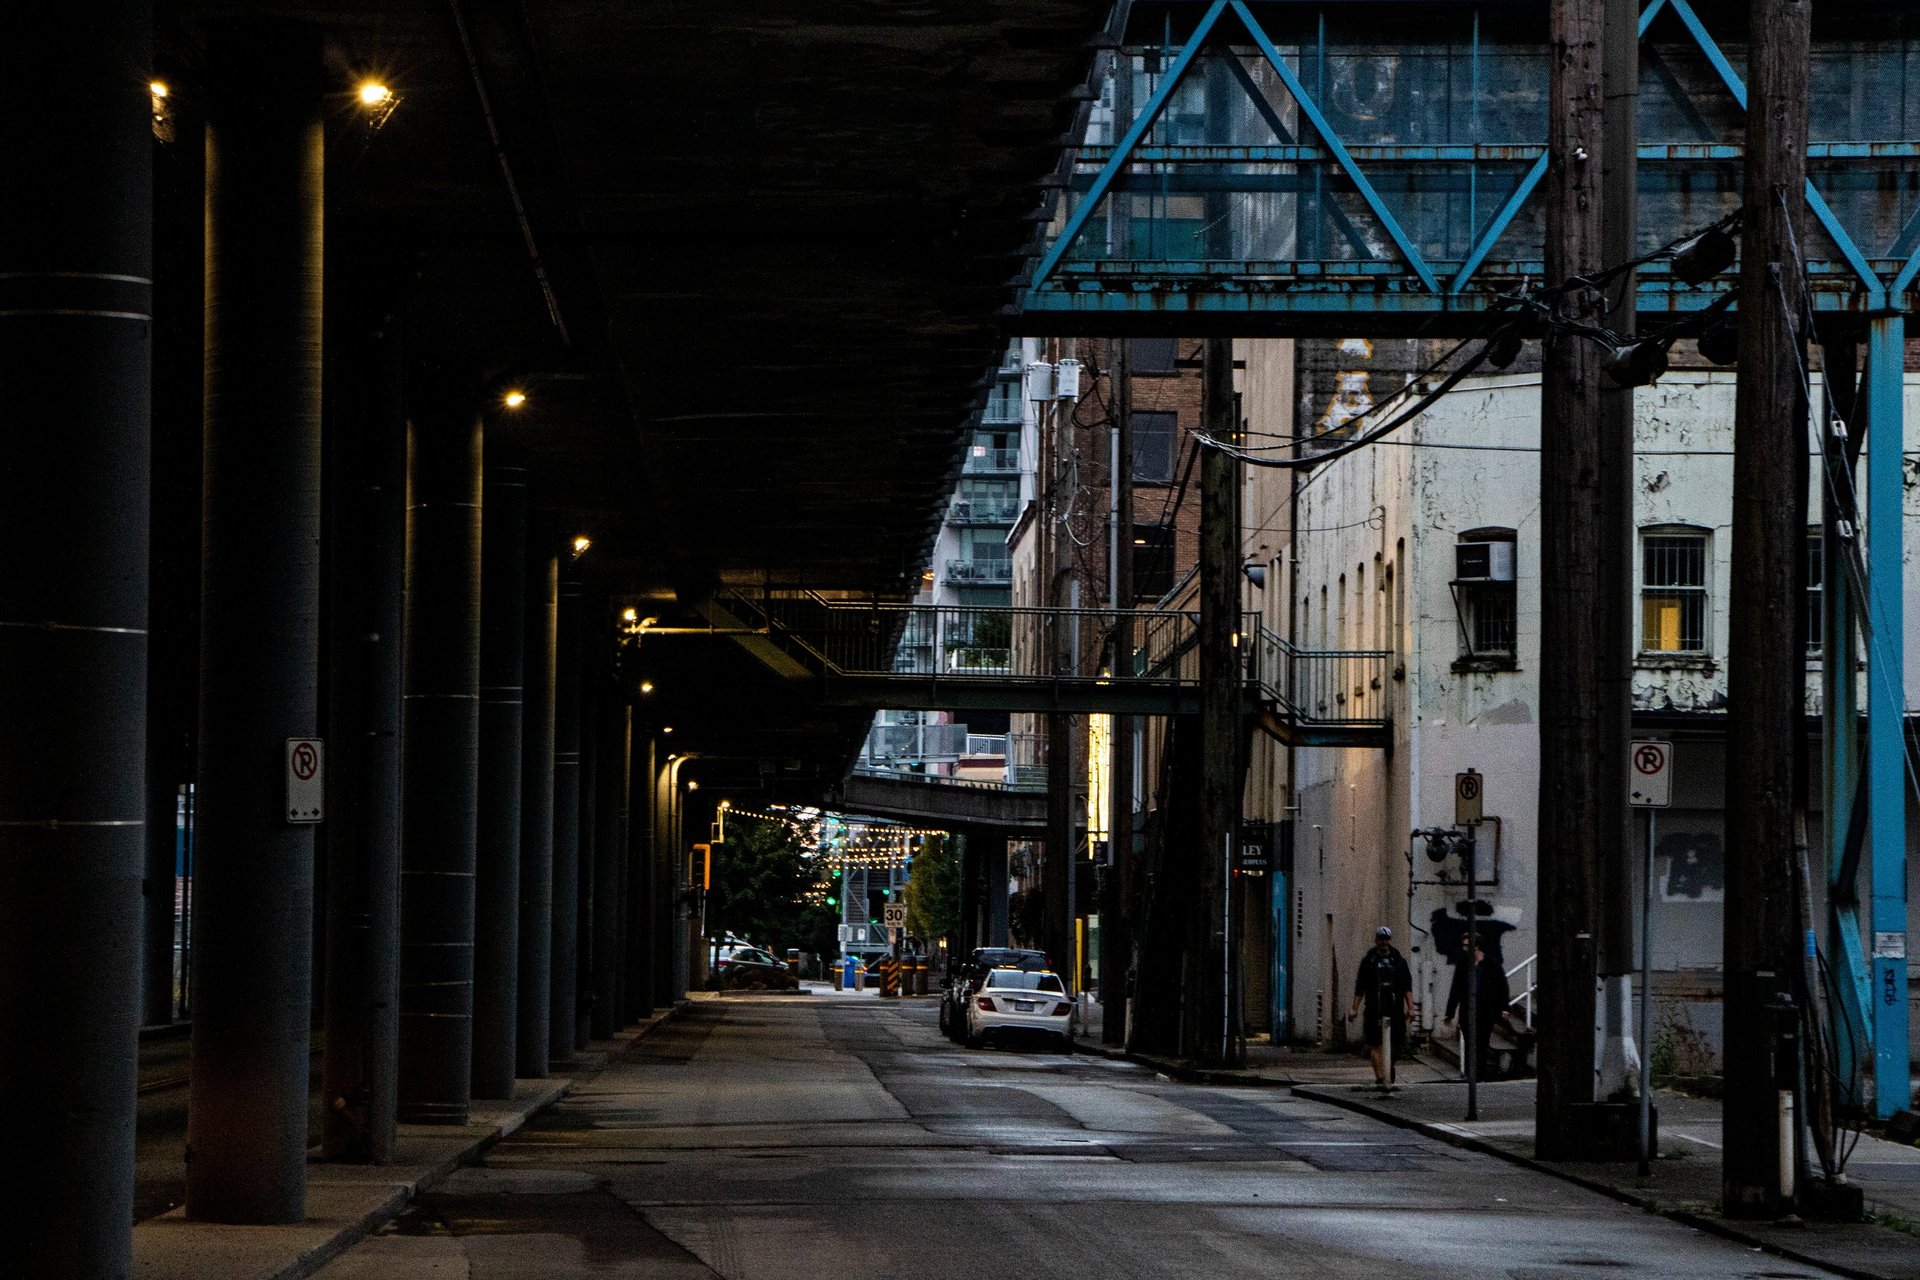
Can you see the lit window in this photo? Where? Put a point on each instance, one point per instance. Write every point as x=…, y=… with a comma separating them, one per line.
x=1673, y=592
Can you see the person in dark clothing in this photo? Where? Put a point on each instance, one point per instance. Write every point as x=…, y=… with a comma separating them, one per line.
x=1489, y=1010
x=1385, y=985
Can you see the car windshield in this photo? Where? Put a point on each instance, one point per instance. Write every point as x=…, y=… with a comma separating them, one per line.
x=751, y=956
x=1021, y=980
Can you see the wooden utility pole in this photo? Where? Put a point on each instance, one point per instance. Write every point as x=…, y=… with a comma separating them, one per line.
x=1765, y=663
x=1116, y=940
x=1573, y=541
x=1614, y=835
x=1211, y=1027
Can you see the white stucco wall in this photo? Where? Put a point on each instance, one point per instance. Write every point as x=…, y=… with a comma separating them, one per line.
x=1387, y=518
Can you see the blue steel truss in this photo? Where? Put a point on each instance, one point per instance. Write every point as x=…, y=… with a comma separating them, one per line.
x=1291, y=167
x=1288, y=168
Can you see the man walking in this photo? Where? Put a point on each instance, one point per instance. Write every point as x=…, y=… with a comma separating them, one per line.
x=1476, y=1059
x=1385, y=985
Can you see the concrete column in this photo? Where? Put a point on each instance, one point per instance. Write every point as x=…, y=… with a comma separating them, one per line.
x=367, y=516
x=664, y=909
x=587, y=901
x=640, y=888
x=993, y=860
x=609, y=848
x=259, y=632
x=503, y=625
x=439, y=757
x=536, y=818
x=566, y=823
x=75, y=258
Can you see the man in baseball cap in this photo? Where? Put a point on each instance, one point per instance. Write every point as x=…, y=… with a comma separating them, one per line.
x=1385, y=984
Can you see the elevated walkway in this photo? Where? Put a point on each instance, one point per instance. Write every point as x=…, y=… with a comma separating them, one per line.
x=947, y=802
x=879, y=655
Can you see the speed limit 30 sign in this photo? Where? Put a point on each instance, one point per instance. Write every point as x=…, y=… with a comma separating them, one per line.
x=1650, y=775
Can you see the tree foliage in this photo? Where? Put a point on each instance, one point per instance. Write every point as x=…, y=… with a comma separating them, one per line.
x=933, y=891
x=760, y=881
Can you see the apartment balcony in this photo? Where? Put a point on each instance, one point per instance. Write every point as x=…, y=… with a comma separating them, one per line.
x=985, y=460
x=983, y=511
x=1003, y=411
x=996, y=572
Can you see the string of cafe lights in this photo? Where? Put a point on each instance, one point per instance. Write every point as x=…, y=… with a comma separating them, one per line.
x=860, y=843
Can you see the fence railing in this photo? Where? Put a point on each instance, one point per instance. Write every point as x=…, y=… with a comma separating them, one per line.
x=986, y=460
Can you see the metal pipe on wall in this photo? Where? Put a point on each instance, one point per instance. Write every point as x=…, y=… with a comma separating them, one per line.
x=259, y=639
x=75, y=258
x=503, y=629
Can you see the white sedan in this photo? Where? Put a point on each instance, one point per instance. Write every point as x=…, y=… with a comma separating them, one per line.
x=1020, y=1002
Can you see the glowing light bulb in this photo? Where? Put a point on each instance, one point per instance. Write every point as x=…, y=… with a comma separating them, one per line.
x=373, y=94
x=158, y=88
x=580, y=545
x=629, y=615
x=514, y=399
x=646, y=686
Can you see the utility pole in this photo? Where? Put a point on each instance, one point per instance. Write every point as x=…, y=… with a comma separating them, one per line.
x=1613, y=870
x=1116, y=942
x=1572, y=544
x=1211, y=1028
x=1765, y=664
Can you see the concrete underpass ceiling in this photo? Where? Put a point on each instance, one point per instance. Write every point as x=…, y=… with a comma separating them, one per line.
x=782, y=239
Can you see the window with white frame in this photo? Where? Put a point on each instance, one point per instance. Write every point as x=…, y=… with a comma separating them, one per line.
x=1673, y=591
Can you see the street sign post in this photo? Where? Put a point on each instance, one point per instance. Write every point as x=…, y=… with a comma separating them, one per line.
x=306, y=780
x=1650, y=783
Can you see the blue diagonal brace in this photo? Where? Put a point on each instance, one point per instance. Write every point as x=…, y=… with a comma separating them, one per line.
x=1876, y=287
x=1905, y=278
x=1123, y=152
x=1501, y=221
x=1333, y=144
x=1280, y=131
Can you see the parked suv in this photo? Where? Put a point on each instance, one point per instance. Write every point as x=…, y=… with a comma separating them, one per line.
x=964, y=979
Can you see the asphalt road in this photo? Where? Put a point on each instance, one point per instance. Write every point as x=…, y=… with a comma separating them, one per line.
x=832, y=1137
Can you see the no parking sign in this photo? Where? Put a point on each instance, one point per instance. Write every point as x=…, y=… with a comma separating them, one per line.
x=1650, y=775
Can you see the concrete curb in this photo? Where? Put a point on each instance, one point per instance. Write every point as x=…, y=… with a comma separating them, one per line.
x=1686, y=1217
x=348, y=1203
x=1174, y=1069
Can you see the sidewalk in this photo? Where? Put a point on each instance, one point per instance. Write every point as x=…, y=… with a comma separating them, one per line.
x=1684, y=1184
x=348, y=1202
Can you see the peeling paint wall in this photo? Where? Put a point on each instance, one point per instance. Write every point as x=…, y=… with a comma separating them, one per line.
x=1375, y=556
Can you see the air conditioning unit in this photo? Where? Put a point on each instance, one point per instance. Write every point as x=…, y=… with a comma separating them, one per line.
x=1483, y=562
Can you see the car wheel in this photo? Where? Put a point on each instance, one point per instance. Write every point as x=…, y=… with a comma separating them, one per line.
x=1066, y=1043
x=973, y=1040
x=946, y=1020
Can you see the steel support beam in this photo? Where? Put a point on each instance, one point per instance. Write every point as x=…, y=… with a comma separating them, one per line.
x=503, y=631
x=1886, y=776
x=75, y=263
x=259, y=642
x=609, y=850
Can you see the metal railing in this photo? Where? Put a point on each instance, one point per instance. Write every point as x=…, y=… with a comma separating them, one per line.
x=1528, y=987
x=984, y=459
x=983, y=510
x=1319, y=686
x=1002, y=409
x=976, y=570
x=1337, y=689
x=895, y=743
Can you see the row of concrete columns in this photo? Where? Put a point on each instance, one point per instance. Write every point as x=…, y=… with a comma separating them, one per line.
x=457, y=665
